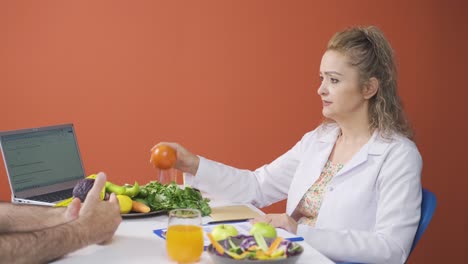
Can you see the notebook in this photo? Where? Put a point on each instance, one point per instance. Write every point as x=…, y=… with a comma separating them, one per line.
x=42, y=164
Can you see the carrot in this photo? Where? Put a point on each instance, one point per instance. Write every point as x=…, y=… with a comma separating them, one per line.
x=274, y=245
x=215, y=244
x=140, y=207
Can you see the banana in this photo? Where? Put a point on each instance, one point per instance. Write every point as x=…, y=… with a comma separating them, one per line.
x=64, y=203
x=92, y=176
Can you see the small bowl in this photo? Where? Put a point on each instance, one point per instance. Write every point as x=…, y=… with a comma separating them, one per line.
x=217, y=259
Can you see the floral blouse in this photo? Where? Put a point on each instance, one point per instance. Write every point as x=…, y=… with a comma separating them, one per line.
x=310, y=203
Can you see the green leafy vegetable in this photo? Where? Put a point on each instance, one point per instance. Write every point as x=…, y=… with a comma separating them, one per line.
x=171, y=196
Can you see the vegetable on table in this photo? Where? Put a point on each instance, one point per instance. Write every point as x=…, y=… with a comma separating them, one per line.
x=81, y=190
x=170, y=196
x=256, y=247
x=261, y=242
x=274, y=245
x=140, y=207
x=113, y=188
x=132, y=191
x=215, y=244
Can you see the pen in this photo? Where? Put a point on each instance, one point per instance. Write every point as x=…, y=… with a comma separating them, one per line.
x=229, y=221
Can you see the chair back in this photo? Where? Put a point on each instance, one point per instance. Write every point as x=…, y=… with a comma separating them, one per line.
x=428, y=206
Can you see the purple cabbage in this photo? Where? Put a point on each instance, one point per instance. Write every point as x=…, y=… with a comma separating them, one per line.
x=247, y=242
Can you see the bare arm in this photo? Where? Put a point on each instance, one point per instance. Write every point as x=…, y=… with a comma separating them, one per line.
x=43, y=245
x=94, y=222
x=21, y=218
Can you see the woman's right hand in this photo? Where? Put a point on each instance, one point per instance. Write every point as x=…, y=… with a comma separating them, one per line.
x=186, y=161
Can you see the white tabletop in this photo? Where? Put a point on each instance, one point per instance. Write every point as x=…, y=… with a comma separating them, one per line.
x=135, y=242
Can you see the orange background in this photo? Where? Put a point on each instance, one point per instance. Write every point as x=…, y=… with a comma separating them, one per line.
x=233, y=81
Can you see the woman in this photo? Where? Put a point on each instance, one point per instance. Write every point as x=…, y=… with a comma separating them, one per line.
x=352, y=184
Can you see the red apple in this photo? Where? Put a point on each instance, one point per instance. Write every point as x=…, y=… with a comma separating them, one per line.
x=221, y=232
x=265, y=229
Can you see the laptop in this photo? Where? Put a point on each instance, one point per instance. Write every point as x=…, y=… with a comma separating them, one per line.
x=42, y=164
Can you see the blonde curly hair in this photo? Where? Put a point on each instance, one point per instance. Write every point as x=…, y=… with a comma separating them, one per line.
x=371, y=53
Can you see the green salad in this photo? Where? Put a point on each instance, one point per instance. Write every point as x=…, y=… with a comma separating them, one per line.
x=255, y=247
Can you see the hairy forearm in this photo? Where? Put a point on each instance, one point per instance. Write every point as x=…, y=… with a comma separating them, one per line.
x=43, y=245
x=21, y=218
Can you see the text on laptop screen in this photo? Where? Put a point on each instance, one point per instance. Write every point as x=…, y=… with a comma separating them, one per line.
x=42, y=158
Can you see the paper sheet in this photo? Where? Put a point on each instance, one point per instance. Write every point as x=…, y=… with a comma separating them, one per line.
x=232, y=212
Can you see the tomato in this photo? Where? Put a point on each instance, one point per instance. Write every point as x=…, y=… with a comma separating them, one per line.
x=163, y=157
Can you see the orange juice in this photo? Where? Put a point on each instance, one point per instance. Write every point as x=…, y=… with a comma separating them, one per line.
x=184, y=243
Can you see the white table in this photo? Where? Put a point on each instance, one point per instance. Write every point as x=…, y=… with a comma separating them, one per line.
x=135, y=242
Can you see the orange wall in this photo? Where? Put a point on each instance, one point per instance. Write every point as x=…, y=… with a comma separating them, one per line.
x=231, y=80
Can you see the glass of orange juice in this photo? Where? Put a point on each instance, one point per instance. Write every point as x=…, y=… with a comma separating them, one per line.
x=184, y=237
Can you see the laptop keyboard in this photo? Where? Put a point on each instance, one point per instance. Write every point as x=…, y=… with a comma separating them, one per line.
x=53, y=197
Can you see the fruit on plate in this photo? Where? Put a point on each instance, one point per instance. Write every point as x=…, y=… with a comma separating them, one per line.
x=163, y=157
x=125, y=203
x=224, y=231
x=265, y=229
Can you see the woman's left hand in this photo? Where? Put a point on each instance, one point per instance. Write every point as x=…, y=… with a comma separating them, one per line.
x=278, y=220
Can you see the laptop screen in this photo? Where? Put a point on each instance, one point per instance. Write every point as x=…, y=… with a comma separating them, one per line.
x=42, y=159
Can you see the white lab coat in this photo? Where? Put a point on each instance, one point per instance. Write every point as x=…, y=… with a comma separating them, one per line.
x=370, y=212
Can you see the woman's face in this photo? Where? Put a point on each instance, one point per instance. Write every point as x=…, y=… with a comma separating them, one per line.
x=340, y=90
